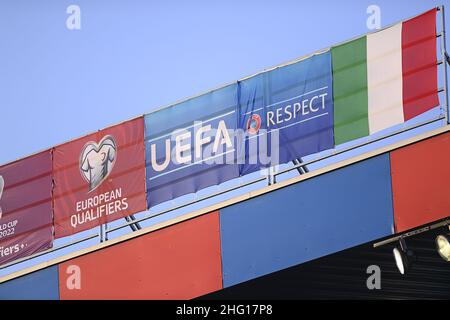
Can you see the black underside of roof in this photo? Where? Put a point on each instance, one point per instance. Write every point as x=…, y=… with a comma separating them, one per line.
x=343, y=276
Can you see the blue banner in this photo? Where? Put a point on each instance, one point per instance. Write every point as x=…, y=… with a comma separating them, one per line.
x=190, y=146
x=286, y=113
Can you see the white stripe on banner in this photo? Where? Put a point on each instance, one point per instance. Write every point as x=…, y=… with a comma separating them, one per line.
x=384, y=78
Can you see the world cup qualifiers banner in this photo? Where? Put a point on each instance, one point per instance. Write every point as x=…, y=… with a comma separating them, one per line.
x=26, y=225
x=99, y=178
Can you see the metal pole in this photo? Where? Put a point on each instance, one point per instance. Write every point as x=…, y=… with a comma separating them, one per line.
x=137, y=225
x=105, y=231
x=101, y=233
x=444, y=55
x=301, y=169
x=274, y=178
x=269, y=176
x=133, y=226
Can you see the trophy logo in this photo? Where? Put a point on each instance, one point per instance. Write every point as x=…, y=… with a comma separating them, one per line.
x=97, y=161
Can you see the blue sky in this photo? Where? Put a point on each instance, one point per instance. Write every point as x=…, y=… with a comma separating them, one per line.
x=133, y=56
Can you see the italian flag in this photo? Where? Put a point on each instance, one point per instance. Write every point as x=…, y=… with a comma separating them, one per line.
x=385, y=78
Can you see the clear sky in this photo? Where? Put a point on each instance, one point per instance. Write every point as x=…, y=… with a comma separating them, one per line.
x=132, y=56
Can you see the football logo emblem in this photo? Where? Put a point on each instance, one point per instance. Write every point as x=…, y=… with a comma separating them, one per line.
x=253, y=124
x=2, y=185
x=97, y=161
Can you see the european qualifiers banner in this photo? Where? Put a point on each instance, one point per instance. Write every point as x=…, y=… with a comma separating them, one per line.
x=26, y=219
x=190, y=146
x=288, y=111
x=99, y=178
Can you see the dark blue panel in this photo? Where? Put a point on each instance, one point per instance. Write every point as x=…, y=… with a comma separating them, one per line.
x=39, y=285
x=313, y=218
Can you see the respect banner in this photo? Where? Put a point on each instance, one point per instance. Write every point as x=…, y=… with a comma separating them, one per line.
x=286, y=113
x=99, y=178
x=26, y=207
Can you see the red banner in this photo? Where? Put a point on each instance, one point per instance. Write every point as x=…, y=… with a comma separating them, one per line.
x=26, y=207
x=420, y=84
x=99, y=178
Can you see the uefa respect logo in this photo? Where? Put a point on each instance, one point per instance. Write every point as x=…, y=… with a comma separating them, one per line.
x=253, y=124
x=97, y=161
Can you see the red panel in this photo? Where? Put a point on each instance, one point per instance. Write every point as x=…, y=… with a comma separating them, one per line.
x=419, y=65
x=99, y=178
x=179, y=262
x=421, y=182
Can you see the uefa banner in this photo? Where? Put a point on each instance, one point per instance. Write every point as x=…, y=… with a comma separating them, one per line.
x=190, y=146
x=26, y=225
x=99, y=178
x=286, y=113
